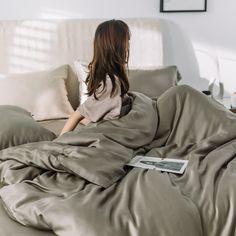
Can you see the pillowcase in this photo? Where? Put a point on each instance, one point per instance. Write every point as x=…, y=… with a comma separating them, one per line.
x=151, y=82
x=81, y=69
x=18, y=127
x=43, y=93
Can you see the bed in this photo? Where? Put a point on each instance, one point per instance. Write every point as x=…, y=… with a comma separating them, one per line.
x=78, y=183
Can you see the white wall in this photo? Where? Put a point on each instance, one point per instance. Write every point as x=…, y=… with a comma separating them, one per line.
x=213, y=34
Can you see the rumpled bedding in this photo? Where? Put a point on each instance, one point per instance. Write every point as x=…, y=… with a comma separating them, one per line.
x=79, y=185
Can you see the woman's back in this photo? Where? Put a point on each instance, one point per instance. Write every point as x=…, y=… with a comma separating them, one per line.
x=106, y=107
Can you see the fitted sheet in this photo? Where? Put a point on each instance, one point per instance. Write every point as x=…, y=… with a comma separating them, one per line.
x=56, y=125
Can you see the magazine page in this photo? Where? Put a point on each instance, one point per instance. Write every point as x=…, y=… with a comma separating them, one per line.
x=169, y=165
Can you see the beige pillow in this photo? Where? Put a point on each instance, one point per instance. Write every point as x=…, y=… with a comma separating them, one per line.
x=151, y=82
x=42, y=93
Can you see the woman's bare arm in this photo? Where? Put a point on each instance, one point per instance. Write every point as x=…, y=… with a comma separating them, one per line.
x=71, y=123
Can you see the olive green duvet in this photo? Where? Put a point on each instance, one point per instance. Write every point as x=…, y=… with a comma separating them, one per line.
x=79, y=184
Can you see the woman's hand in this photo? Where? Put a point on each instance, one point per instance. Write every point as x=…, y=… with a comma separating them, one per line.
x=72, y=122
x=85, y=121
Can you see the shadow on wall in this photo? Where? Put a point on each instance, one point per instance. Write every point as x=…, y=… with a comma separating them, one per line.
x=179, y=50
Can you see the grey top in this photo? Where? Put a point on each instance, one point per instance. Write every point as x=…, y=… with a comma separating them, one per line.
x=106, y=107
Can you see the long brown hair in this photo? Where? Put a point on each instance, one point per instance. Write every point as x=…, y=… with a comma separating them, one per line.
x=110, y=57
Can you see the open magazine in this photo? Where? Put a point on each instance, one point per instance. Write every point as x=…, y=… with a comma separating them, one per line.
x=166, y=164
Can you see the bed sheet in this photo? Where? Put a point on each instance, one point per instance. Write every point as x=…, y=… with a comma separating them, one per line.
x=56, y=125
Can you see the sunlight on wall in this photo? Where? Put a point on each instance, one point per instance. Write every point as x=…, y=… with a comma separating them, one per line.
x=32, y=45
x=147, y=56
x=219, y=63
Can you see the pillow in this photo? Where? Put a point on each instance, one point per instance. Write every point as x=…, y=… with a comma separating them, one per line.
x=43, y=93
x=18, y=127
x=81, y=69
x=151, y=82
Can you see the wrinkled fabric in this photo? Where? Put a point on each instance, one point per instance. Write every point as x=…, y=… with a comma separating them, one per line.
x=79, y=185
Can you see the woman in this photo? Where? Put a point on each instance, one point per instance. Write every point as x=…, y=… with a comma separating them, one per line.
x=107, y=80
